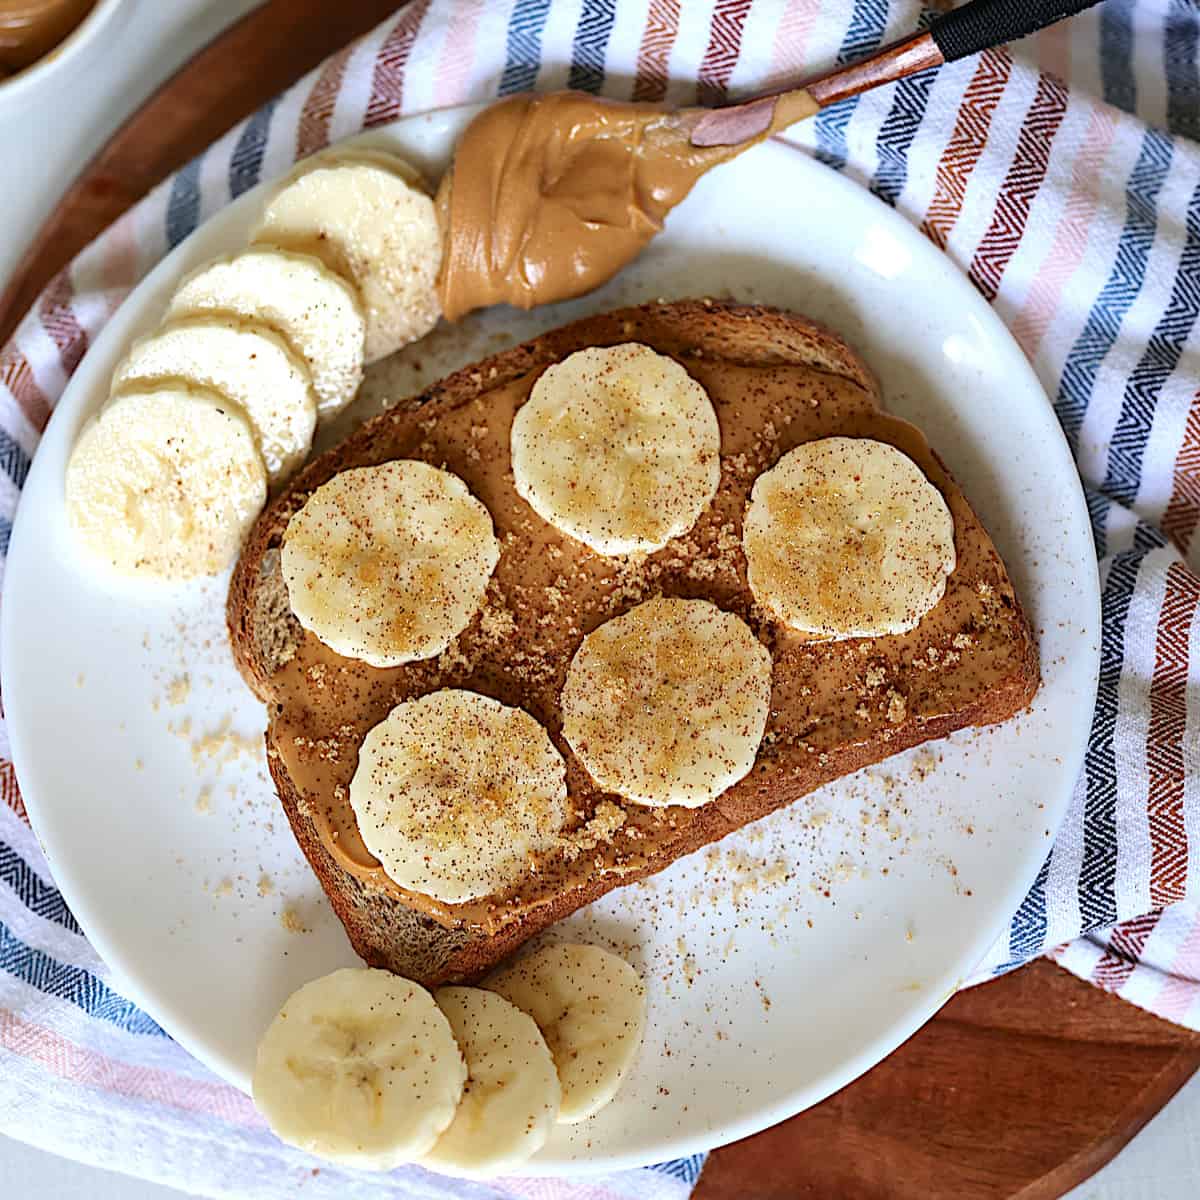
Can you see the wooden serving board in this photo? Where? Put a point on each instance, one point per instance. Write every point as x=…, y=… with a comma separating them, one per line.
x=1020, y=1088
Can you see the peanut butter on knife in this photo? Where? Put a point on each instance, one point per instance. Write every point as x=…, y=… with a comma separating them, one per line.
x=551, y=195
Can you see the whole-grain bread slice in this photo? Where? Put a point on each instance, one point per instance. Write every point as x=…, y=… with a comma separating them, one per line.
x=776, y=379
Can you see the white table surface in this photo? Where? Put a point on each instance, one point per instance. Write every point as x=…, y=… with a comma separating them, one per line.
x=46, y=144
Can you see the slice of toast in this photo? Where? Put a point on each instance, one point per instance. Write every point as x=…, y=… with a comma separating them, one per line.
x=776, y=380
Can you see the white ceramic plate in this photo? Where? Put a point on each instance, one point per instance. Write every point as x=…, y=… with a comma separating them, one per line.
x=780, y=964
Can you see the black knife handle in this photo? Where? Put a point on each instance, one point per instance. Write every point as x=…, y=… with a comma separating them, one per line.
x=983, y=24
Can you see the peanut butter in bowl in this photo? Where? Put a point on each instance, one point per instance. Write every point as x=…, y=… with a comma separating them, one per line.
x=31, y=29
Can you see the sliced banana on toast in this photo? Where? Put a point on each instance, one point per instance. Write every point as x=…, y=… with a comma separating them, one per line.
x=164, y=483
x=297, y=296
x=375, y=226
x=360, y=1067
x=512, y=1094
x=619, y=447
x=667, y=704
x=250, y=365
x=388, y=564
x=591, y=1008
x=847, y=538
x=455, y=791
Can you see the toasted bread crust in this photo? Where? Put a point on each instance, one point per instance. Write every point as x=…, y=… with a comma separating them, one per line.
x=383, y=929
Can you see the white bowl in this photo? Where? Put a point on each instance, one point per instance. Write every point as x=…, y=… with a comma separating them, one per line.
x=67, y=51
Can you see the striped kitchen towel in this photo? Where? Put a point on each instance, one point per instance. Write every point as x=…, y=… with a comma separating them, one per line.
x=1062, y=176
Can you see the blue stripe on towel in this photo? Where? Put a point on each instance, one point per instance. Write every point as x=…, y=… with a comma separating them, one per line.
x=591, y=45
x=73, y=984
x=34, y=892
x=245, y=167
x=1159, y=360
x=1120, y=290
x=864, y=34
x=183, y=205
x=524, y=46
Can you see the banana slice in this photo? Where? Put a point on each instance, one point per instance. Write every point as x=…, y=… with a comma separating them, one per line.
x=667, y=704
x=845, y=538
x=619, y=447
x=390, y=563
x=360, y=1067
x=250, y=365
x=373, y=225
x=512, y=1094
x=314, y=310
x=164, y=483
x=455, y=791
x=591, y=1008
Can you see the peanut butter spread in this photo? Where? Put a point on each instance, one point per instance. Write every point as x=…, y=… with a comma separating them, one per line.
x=30, y=29
x=548, y=591
x=551, y=194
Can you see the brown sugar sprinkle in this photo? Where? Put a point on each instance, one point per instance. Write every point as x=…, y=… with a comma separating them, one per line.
x=292, y=921
x=602, y=826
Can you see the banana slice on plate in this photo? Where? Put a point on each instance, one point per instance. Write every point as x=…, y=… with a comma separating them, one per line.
x=667, y=704
x=591, y=1008
x=360, y=1067
x=619, y=447
x=846, y=537
x=512, y=1094
x=164, y=483
x=455, y=791
x=250, y=365
x=373, y=225
x=313, y=309
x=389, y=564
